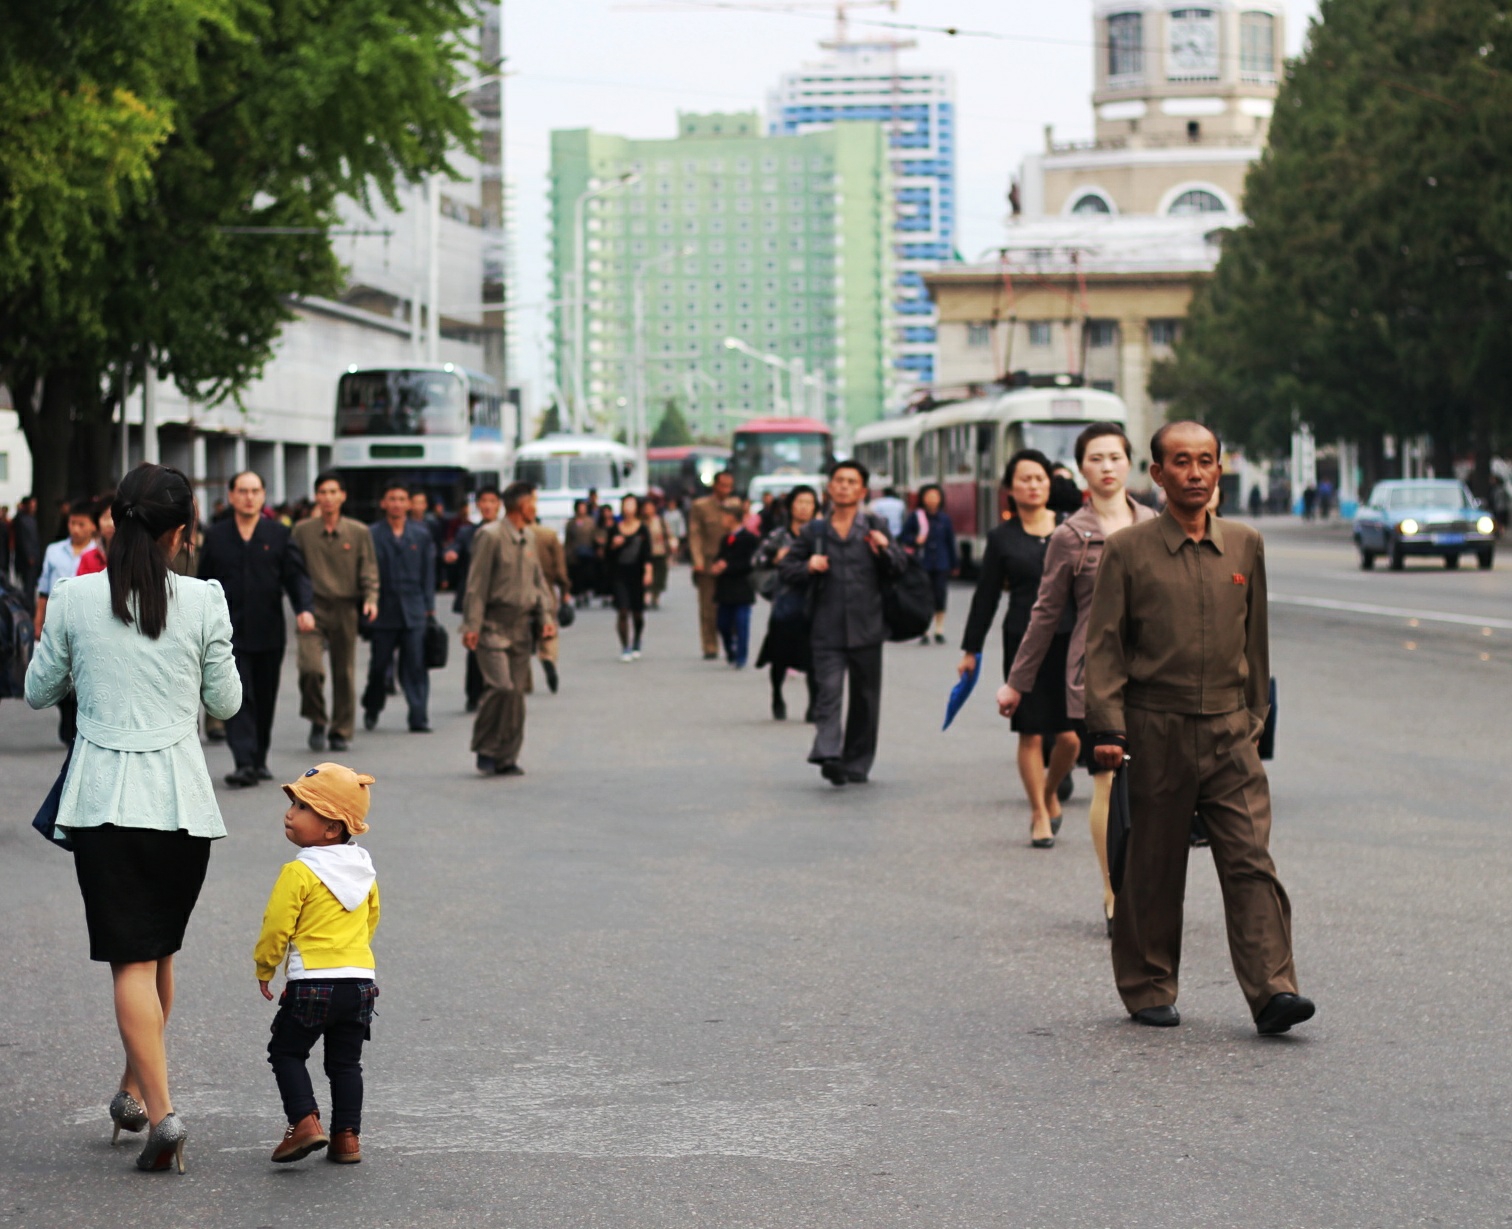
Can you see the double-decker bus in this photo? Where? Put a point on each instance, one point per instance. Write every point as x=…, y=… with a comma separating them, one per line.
x=965, y=445
x=432, y=426
x=801, y=448
x=564, y=468
x=685, y=471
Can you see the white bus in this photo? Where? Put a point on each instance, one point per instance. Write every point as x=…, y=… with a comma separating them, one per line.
x=434, y=427
x=963, y=447
x=565, y=468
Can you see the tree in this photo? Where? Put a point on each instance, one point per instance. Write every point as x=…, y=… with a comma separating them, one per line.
x=273, y=112
x=1371, y=292
x=672, y=431
x=551, y=422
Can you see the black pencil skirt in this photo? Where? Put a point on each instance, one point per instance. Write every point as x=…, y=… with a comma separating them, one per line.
x=139, y=887
x=1043, y=709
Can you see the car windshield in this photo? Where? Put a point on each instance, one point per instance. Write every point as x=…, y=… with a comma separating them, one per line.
x=1402, y=498
x=400, y=403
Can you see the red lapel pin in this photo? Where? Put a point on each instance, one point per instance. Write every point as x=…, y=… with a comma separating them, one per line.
x=1238, y=578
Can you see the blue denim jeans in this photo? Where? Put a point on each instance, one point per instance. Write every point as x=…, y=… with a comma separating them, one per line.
x=340, y=1010
x=734, y=622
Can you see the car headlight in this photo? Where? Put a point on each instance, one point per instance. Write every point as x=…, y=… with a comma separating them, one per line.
x=1485, y=525
x=1408, y=527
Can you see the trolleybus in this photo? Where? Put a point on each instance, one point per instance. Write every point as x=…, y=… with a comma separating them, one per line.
x=801, y=448
x=564, y=468
x=684, y=472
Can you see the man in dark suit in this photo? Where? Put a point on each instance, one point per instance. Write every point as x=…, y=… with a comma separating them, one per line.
x=406, y=599
x=256, y=561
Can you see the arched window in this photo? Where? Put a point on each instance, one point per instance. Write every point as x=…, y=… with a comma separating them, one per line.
x=1195, y=200
x=1257, y=45
x=1091, y=202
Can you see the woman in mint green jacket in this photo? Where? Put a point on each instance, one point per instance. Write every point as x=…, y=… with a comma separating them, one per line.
x=141, y=648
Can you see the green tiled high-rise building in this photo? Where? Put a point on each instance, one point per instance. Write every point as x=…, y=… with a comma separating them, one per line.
x=779, y=241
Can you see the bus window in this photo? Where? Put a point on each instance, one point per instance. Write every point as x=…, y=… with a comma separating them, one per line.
x=585, y=472
x=399, y=403
x=544, y=472
x=929, y=456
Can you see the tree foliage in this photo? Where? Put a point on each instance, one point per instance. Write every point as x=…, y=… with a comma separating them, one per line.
x=551, y=422
x=152, y=129
x=1371, y=292
x=672, y=431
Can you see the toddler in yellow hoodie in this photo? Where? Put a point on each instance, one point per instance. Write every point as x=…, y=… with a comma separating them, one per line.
x=320, y=918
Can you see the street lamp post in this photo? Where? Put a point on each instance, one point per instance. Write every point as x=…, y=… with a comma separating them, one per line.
x=580, y=289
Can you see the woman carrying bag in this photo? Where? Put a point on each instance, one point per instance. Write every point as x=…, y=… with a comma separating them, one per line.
x=786, y=645
x=929, y=536
x=142, y=649
x=1075, y=550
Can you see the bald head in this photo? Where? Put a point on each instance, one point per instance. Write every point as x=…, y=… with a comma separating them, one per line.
x=1186, y=464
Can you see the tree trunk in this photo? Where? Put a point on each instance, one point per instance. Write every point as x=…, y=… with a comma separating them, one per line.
x=47, y=422
x=93, y=458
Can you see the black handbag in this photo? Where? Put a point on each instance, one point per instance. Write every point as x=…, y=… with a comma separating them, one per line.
x=46, y=820
x=437, y=644
x=908, y=603
x=1118, y=828
x=1268, y=735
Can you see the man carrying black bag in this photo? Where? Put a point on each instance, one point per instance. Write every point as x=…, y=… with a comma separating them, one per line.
x=845, y=561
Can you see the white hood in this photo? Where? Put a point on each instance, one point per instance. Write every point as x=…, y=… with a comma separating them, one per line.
x=345, y=869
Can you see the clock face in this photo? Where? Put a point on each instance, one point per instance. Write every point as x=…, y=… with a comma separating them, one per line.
x=1194, y=42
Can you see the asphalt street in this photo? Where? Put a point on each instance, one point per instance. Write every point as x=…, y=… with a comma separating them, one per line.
x=671, y=978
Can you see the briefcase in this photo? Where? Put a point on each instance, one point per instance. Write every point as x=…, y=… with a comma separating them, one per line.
x=437, y=644
x=1118, y=828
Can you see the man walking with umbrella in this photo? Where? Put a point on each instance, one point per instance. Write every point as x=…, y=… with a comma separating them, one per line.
x=1178, y=666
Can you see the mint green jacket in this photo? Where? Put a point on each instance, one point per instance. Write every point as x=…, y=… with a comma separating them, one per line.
x=137, y=761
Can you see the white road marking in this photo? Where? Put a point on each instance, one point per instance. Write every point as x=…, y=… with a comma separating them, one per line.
x=1393, y=612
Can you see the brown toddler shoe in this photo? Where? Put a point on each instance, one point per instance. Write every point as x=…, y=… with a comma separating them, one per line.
x=346, y=1147
x=301, y=1139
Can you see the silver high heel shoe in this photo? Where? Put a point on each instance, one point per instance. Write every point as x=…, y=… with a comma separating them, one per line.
x=164, y=1143
x=127, y=1114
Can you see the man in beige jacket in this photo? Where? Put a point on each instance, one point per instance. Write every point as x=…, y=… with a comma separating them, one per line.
x=705, y=531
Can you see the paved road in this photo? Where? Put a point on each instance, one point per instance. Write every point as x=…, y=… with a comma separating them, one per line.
x=670, y=978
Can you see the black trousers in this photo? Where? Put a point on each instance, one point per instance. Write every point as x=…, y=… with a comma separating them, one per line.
x=413, y=676
x=340, y=1010
x=854, y=745
x=249, y=732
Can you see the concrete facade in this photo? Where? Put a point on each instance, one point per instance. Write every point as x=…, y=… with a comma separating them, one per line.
x=779, y=241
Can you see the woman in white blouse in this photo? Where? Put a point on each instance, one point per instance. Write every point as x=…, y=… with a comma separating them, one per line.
x=141, y=648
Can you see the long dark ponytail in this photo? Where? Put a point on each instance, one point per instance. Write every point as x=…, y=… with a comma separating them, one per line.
x=151, y=501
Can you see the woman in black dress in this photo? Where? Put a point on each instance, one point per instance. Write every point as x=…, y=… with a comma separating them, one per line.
x=1013, y=562
x=786, y=646
x=627, y=560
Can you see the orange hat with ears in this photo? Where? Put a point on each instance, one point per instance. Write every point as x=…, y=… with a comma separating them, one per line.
x=335, y=792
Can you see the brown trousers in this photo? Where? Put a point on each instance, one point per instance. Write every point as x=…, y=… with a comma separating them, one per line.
x=708, y=613
x=503, y=656
x=1180, y=764
x=336, y=632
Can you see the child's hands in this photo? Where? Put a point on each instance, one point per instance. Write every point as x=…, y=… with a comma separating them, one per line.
x=266, y=993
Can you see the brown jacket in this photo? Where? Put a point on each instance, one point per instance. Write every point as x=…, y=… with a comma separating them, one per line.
x=1071, y=561
x=343, y=565
x=505, y=586
x=1179, y=626
x=705, y=531
x=553, y=558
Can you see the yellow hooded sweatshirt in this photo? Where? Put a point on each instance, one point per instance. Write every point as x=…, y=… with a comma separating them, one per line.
x=322, y=914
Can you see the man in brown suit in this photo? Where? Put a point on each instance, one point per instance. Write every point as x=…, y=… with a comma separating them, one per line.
x=506, y=594
x=705, y=532
x=554, y=568
x=1178, y=670
x=343, y=569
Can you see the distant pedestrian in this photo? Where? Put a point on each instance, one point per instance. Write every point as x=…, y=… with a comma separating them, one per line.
x=1309, y=502
x=507, y=599
x=1255, y=503
x=319, y=921
x=93, y=560
x=705, y=529
x=61, y=559
x=770, y=515
x=343, y=566
x=582, y=553
x=627, y=561
x=490, y=506
x=845, y=557
x=5, y=544
x=406, y=555
x=26, y=544
x=142, y=653
x=786, y=646
x=554, y=568
x=1013, y=562
x=663, y=549
x=930, y=537
x=891, y=509
x=1071, y=562
x=1178, y=667
x=1325, y=499
x=677, y=529
x=257, y=563
x=733, y=591
x=603, y=534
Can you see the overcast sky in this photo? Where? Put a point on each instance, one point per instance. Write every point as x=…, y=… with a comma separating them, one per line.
x=627, y=68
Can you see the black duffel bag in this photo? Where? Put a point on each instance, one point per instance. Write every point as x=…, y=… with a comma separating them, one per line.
x=437, y=644
x=908, y=602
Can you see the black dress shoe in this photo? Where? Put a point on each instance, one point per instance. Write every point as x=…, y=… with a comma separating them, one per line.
x=833, y=772
x=471, y=706
x=857, y=778
x=509, y=770
x=779, y=709
x=1066, y=788
x=420, y=729
x=1164, y=1016
x=338, y=743
x=711, y=656
x=369, y=719
x=242, y=778
x=262, y=773
x=1282, y=1012
x=548, y=668
x=317, y=740
x=486, y=765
